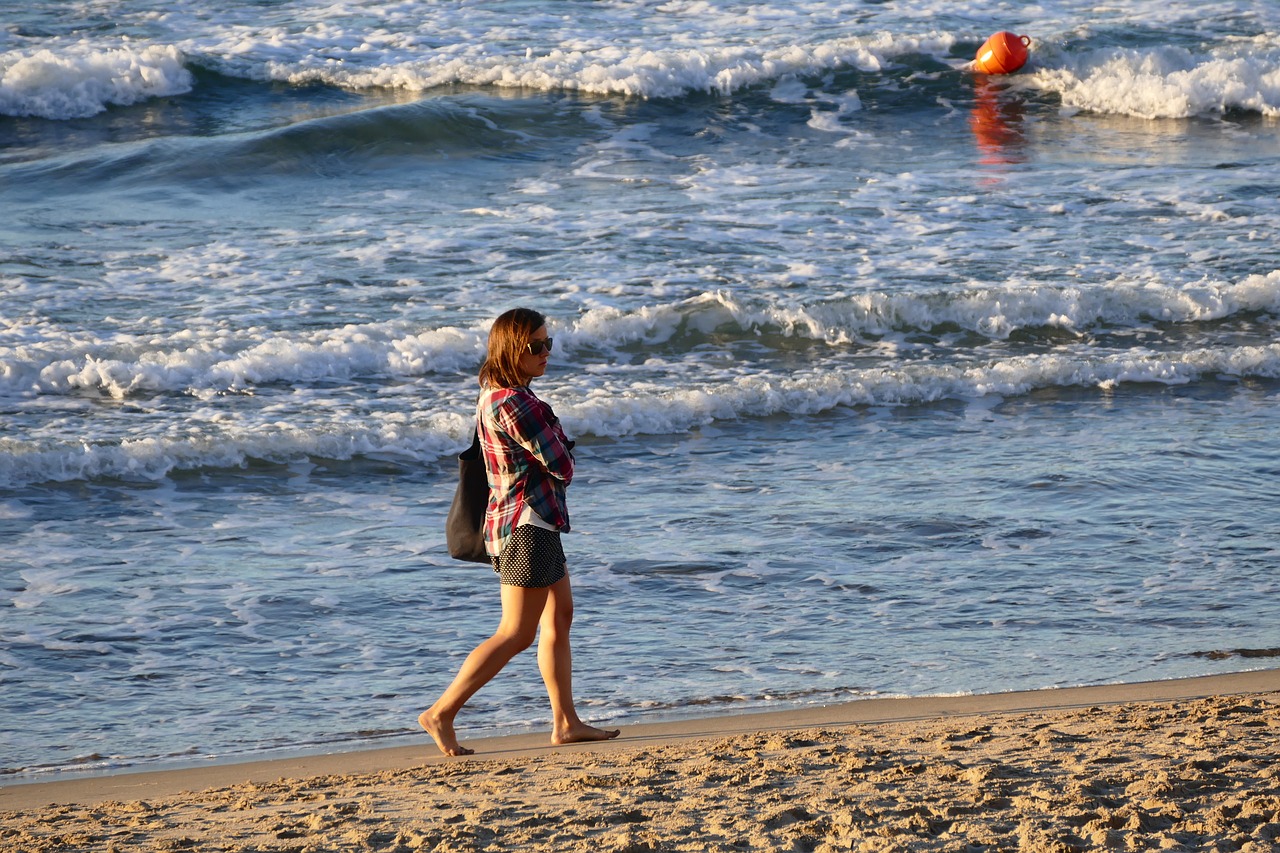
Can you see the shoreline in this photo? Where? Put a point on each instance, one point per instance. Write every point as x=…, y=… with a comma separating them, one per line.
x=130, y=784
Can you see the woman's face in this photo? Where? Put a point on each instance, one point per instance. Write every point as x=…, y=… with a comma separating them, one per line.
x=535, y=365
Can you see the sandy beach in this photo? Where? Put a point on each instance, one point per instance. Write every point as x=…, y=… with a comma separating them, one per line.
x=1176, y=765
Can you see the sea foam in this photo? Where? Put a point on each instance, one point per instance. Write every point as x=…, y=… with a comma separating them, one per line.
x=1168, y=82
x=82, y=81
x=659, y=410
x=591, y=405
x=636, y=71
x=46, y=359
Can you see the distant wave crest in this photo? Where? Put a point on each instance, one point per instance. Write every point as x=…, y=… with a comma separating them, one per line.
x=634, y=71
x=1150, y=82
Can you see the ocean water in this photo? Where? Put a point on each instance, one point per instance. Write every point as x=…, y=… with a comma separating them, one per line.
x=887, y=378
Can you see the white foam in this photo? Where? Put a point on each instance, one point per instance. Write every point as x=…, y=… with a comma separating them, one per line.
x=718, y=48
x=49, y=360
x=38, y=585
x=659, y=410
x=83, y=80
x=64, y=361
x=992, y=311
x=1168, y=82
x=591, y=403
x=231, y=445
x=618, y=70
x=832, y=120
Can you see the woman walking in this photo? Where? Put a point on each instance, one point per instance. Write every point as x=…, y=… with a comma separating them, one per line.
x=529, y=465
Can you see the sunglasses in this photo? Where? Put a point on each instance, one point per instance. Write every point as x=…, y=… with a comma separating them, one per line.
x=539, y=347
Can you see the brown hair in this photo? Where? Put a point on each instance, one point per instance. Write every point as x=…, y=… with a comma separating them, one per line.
x=508, y=337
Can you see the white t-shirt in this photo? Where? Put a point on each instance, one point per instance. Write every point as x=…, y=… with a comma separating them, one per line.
x=533, y=519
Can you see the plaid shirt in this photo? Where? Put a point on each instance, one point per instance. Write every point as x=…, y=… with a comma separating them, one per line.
x=527, y=458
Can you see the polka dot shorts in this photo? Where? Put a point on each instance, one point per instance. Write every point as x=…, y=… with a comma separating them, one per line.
x=532, y=557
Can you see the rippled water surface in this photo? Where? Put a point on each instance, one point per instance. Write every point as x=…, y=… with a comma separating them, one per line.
x=887, y=377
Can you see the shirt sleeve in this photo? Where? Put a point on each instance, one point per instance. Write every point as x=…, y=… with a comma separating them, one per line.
x=531, y=424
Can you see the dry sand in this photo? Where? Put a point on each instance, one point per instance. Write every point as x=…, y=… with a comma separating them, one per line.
x=1178, y=765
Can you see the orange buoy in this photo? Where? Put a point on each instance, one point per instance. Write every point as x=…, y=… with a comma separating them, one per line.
x=1003, y=53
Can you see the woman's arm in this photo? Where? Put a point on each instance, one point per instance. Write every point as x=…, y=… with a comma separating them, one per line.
x=531, y=424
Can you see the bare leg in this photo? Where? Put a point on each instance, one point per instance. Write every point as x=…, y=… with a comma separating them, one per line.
x=555, y=661
x=521, y=610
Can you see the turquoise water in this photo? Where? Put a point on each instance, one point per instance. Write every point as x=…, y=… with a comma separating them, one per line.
x=887, y=378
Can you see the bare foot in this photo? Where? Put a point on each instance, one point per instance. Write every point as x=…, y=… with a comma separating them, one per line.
x=582, y=733
x=442, y=733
